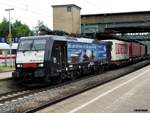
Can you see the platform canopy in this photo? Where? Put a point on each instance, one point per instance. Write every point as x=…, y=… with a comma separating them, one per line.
x=129, y=29
x=133, y=37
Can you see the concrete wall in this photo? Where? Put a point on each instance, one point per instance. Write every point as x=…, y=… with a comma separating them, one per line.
x=68, y=21
x=115, y=18
x=76, y=20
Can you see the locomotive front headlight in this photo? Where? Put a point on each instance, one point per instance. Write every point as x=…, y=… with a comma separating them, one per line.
x=19, y=65
x=40, y=65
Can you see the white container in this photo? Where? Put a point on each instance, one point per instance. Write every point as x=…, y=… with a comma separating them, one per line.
x=120, y=50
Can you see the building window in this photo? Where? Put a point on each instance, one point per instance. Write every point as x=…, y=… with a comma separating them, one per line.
x=1, y=52
x=14, y=51
x=68, y=8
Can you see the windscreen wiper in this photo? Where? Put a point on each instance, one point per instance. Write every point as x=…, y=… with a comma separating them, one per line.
x=35, y=47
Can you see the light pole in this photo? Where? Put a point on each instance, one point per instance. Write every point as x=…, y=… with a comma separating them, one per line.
x=10, y=35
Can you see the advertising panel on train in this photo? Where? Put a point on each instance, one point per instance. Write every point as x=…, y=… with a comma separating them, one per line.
x=83, y=52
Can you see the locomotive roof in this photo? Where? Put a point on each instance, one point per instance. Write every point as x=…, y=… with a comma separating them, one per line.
x=63, y=38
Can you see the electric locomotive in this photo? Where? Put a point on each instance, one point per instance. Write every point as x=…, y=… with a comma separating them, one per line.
x=54, y=58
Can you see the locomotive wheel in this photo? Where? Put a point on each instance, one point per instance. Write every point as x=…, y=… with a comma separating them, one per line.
x=56, y=80
x=78, y=73
x=72, y=75
x=59, y=80
x=101, y=69
x=47, y=79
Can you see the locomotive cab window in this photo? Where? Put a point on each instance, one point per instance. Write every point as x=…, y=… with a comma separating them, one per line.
x=25, y=45
x=39, y=44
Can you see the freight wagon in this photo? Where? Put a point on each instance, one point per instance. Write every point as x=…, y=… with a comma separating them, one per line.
x=125, y=52
x=136, y=51
x=142, y=51
x=147, y=50
x=119, y=52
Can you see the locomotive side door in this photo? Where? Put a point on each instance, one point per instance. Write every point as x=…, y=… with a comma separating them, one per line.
x=59, y=54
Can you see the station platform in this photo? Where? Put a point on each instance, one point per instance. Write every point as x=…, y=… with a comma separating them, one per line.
x=5, y=75
x=127, y=94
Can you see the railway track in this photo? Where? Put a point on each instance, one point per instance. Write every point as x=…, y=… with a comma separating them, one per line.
x=34, y=99
x=23, y=91
x=13, y=95
x=9, y=96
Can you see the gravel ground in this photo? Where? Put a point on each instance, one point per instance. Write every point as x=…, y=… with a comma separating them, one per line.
x=8, y=86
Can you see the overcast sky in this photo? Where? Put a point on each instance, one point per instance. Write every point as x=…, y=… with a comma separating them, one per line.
x=30, y=11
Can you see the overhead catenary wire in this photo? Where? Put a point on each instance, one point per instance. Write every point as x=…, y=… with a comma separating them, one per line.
x=25, y=9
x=92, y=4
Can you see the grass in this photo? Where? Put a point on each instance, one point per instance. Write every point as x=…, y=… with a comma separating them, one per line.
x=6, y=68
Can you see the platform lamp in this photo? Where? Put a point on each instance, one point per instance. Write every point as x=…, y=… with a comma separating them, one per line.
x=10, y=35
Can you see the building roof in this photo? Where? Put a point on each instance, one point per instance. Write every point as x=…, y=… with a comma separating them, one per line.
x=5, y=46
x=66, y=5
x=119, y=13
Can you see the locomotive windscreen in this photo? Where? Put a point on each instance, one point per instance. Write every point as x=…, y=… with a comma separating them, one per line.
x=31, y=51
x=32, y=44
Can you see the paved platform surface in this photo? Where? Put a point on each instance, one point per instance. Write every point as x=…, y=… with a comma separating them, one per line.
x=128, y=94
x=5, y=75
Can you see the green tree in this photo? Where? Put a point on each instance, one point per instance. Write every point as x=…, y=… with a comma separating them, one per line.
x=4, y=28
x=18, y=29
x=41, y=29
